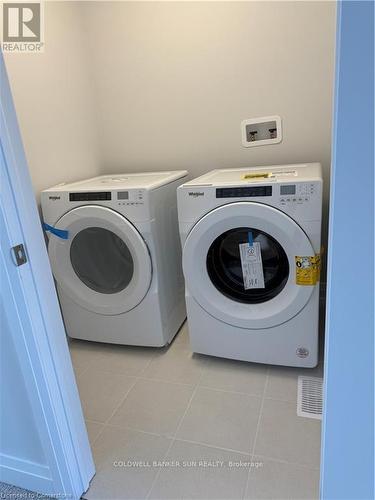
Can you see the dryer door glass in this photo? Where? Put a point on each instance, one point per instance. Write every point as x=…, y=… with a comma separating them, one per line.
x=225, y=270
x=101, y=260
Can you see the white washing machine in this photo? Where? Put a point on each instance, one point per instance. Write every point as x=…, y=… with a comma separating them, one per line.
x=251, y=243
x=116, y=257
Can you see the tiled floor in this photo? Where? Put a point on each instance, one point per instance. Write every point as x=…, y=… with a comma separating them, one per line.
x=169, y=424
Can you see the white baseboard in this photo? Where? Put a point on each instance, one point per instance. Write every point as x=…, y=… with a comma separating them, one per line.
x=25, y=474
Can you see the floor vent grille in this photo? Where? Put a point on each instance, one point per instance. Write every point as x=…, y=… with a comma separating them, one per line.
x=310, y=397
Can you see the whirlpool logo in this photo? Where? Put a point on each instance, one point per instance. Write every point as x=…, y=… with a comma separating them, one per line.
x=195, y=194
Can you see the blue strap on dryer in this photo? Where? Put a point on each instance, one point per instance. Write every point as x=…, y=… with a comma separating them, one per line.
x=60, y=233
x=250, y=238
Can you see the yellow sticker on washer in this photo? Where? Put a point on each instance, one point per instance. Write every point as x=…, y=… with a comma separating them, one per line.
x=307, y=269
x=258, y=175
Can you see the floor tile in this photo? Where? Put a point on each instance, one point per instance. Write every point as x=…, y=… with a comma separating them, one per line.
x=101, y=392
x=83, y=354
x=199, y=472
x=124, y=462
x=236, y=376
x=217, y=416
x=221, y=419
x=181, y=340
x=127, y=360
x=283, y=381
x=281, y=481
x=93, y=430
x=176, y=365
x=284, y=436
x=154, y=406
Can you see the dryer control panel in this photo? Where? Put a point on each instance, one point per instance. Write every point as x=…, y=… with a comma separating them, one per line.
x=130, y=198
x=291, y=194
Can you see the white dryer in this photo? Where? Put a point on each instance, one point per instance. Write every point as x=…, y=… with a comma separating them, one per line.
x=116, y=257
x=251, y=244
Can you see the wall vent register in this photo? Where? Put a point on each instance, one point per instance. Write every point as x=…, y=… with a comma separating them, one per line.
x=310, y=397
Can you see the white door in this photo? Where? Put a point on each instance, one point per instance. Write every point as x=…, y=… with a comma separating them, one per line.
x=213, y=270
x=46, y=447
x=103, y=265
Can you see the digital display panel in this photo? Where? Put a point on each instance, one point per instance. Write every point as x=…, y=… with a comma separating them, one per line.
x=91, y=196
x=288, y=189
x=123, y=195
x=244, y=192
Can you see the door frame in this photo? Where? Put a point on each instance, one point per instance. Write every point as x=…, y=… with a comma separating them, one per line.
x=43, y=348
x=348, y=434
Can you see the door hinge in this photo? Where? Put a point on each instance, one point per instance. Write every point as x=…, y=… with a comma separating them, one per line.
x=19, y=254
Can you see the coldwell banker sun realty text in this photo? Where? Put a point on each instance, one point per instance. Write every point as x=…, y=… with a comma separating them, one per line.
x=22, y=27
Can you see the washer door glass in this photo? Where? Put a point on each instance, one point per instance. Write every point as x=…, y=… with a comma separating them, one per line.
x=213, y=271
x=225, y=270
x=101, y=260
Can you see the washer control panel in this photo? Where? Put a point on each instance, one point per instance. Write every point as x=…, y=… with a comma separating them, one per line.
x=130, y=198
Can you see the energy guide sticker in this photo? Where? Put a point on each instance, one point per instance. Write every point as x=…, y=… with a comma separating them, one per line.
x=252, y=266
x=307, y=269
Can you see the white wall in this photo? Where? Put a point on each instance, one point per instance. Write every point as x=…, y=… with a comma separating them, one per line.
x=131, y=86
x=55, y=103
x=173, y=81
